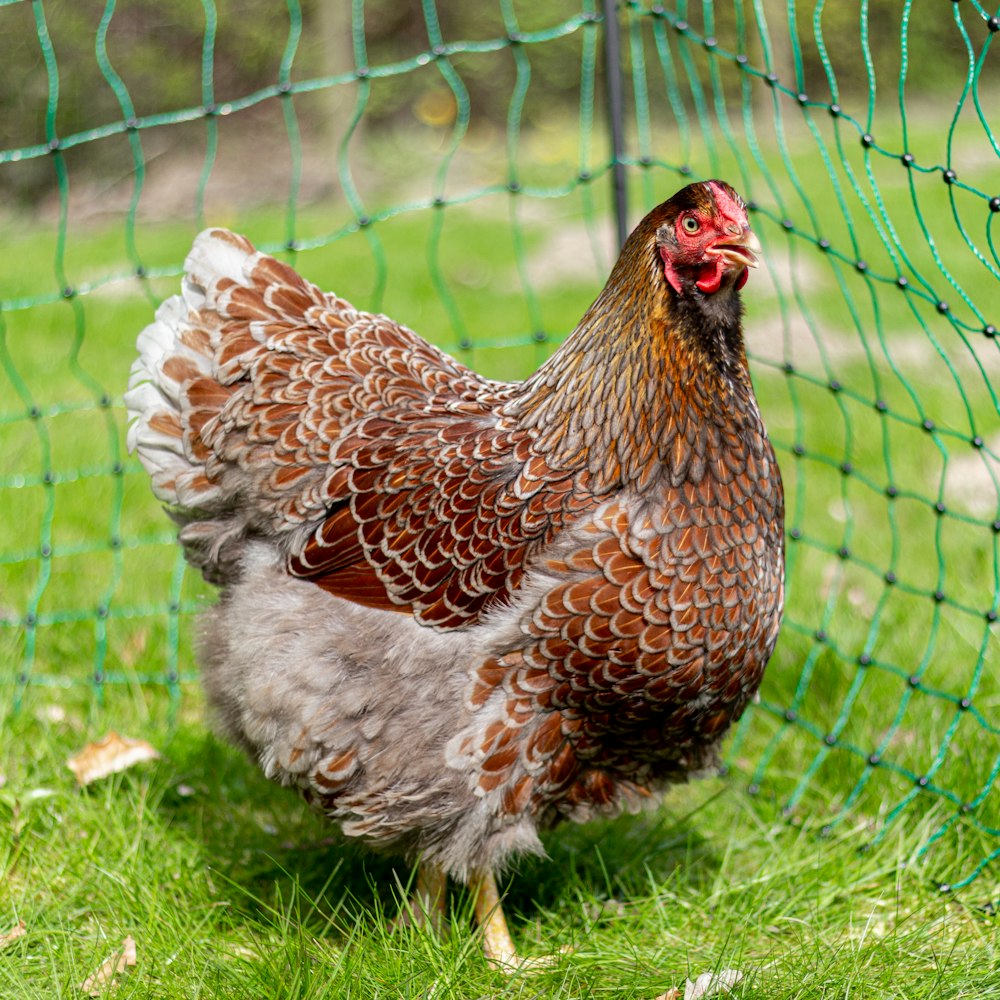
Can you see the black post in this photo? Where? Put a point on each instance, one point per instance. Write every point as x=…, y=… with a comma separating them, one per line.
x=616, y=114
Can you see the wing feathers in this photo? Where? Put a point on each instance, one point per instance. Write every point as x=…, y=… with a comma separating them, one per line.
x=380, y=464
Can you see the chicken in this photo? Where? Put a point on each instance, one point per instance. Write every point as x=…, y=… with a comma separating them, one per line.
x=453, y=610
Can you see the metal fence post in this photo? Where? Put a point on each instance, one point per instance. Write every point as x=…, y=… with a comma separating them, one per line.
x=616, y=115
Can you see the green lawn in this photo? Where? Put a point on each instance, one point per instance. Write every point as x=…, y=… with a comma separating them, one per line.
x=231, y=889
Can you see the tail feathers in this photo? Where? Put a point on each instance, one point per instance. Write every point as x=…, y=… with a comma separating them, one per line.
x=171, y=354
x=173, y=388
x=204, y=407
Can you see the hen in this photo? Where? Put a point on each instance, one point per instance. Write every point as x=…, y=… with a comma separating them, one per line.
x=453, y=610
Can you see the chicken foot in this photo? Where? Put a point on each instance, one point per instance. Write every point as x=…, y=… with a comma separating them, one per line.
x=498, y=947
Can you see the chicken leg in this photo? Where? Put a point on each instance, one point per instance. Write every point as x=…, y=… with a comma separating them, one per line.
x=497, y=944
x=427, y=905
x=498, y=947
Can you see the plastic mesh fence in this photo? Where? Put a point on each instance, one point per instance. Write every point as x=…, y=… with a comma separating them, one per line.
x=450, y=167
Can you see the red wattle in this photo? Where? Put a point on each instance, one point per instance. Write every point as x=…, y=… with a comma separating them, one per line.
x=710, y=278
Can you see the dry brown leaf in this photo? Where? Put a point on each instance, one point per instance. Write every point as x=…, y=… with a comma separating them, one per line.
x=113, y=753
x=673, y=994
x=17, y=931
x=95, y=984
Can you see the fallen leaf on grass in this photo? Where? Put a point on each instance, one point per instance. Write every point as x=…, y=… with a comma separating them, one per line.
x=709, y=983
x=94, y=985
x=113, y=753
x=706, y=985
x=17, y=931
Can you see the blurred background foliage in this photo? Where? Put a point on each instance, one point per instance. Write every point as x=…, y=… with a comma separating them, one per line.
x=158, y=48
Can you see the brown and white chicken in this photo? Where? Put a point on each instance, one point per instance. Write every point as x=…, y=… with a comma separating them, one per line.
x=455, y=611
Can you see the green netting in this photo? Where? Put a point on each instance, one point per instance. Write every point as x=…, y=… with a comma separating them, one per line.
x=450, y=164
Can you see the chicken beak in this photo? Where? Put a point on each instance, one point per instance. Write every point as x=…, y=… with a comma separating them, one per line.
x=744, y=250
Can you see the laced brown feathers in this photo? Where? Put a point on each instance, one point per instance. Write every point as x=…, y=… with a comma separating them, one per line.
x=455, y=610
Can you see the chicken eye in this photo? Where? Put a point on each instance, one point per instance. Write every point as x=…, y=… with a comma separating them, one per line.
x=690, y=224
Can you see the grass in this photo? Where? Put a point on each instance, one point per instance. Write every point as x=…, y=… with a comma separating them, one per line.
x=230, y=887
